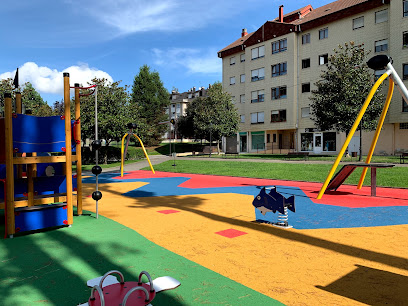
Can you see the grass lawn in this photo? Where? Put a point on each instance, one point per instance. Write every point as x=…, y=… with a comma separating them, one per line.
x=391, y=177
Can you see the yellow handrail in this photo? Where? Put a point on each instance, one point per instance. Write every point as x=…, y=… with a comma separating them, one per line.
x=122, y=150
x=351, y=133
x=377, y=132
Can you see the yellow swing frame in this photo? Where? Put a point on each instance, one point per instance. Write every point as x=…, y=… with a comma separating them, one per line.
x=393, y=76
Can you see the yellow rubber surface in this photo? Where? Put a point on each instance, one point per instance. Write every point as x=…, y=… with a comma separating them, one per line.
x=353, y=266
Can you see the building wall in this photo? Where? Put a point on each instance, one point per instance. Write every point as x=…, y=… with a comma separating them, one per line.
x=392, y=138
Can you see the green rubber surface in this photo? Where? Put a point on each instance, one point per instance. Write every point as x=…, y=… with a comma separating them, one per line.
x=52, y=267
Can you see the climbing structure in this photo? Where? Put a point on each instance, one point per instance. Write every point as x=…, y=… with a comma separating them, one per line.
x=36, y=156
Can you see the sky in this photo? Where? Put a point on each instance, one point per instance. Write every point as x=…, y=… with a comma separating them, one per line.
x=113, y=38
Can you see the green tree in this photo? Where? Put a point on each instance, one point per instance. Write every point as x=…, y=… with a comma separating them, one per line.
x=6, y=85
x=149, y=99
x=30, y=98
x=113, y=111
x=211, y=117
x=342, y=90
x=33, y=101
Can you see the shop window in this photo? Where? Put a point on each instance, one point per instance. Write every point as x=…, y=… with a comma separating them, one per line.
x=306, y=141
x=329, y=141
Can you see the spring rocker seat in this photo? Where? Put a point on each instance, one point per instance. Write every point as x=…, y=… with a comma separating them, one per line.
x=107, y=290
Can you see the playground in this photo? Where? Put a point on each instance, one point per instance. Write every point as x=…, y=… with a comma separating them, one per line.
x=197, y=239
x=347, y=248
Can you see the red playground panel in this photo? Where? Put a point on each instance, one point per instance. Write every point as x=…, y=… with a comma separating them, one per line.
x=231, y=233
x=114, y=295
x=168, y=211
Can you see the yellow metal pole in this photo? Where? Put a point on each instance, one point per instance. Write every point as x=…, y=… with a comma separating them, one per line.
x=68, y=152
x=78, y=149
x=350, y=135
x=144, y=150
x=377, y=132
x=8, y=127
x=122, y=159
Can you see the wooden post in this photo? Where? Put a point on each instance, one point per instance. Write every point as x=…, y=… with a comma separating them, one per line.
x=78, y=149
x=8, y=125
x=68, y=152
x=19, y=110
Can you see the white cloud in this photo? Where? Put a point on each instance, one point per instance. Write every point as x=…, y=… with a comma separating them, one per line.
x=193, y=60
x=132, y=16
x=50, y=81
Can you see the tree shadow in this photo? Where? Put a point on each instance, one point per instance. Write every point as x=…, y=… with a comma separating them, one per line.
x=190, y=204
x=371, y=286
x=52, y=267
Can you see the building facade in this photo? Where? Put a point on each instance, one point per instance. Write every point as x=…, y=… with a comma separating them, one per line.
x=272, y=71
x=178, y=105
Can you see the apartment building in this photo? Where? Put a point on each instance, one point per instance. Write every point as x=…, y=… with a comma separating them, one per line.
x=178, y=105
x=272, y=71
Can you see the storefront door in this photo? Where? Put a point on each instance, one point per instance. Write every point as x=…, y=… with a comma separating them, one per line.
x=243, y=143
x=318, y=143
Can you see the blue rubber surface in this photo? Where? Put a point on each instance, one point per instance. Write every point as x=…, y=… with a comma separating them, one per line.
x=308, y=215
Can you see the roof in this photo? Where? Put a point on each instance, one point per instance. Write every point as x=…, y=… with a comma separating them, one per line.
x=240, y=41
x=303, y=19
x=328, y=9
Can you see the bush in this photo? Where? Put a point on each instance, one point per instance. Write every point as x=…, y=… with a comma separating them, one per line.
x=109, y=154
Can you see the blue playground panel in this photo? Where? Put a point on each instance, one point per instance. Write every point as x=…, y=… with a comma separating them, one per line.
x=44, y=185
x=38, y=134
x=309, y=215
x=40, y=216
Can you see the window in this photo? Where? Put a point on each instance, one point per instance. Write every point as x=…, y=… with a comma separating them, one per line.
x=232, y=60
x=258, y=52
x=323, y=33
x=306, y=142
x=279, y=46
x=405, y=39
x=257, y=96
x=405, y=71
x=279, y=69
x=306, y=63
x=405, y=8
x=257, y=117
x=381, y=45
x=274, y=138
x=358, y=23
x=305, y=112
x=190, y=95
x=232, y=80
x=403, y=126
x=278, y=115
x=306, y=39
x=258, y=140
x=306, y=87
x=329, y=141
x=278, y=93
x=242, y=98
x=242, y=78
x=323, y=59
x=381, y=16
x=242, y=118
x=257, y=74
x=404, y=106
x=242, y=57
x=268, y=138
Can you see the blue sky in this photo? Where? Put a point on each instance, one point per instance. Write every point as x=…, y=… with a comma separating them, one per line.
x=113, y=38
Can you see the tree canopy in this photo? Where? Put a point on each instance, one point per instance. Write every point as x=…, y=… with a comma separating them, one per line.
x=213, y=114
x=30, y=98
x=113, y=104
x=148, y=101
x=342, y=90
